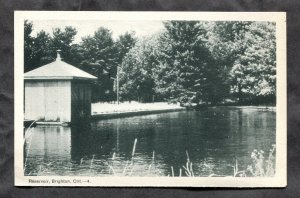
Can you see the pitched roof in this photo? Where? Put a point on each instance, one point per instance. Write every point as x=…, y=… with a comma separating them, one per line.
x=58, y=70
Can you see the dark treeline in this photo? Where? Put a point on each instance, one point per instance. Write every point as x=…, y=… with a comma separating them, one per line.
x=187, y=62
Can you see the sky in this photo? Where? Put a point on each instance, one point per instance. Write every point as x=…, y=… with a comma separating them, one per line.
x=85, y=28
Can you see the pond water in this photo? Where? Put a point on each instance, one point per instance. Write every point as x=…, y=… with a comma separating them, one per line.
x=213, y=140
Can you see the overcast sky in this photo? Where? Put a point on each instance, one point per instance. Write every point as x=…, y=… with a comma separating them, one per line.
x=85, y=28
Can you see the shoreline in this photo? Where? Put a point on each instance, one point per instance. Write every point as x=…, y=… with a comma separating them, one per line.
x=139, y=109
x=114, y=115
x=126, y=109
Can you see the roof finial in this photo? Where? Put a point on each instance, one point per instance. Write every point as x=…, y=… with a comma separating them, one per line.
x=58, y=55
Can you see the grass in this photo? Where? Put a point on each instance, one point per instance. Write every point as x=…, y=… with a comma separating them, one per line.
x=189, y=166
x=28, y=135
x=261, y=166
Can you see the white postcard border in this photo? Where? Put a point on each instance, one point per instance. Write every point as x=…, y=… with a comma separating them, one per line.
x=280, y=178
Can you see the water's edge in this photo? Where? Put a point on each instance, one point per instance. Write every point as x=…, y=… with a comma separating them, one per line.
x=132, y=113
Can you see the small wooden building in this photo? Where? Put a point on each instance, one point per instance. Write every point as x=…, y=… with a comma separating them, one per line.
x=57, y=92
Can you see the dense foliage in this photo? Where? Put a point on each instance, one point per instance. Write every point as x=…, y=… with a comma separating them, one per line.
x=187, y=62
x=187, y=71
x=136, y=74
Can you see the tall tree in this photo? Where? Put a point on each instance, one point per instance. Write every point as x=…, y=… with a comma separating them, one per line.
x=28, y=45
x=100, y=59
x=63, y=40
x=226, y=44
x=187, y=70
x=136, y=75
x=41, y=49
x=124, y=43
x=254, y=71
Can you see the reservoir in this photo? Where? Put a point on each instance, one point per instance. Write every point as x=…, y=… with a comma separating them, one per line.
x=212, y=140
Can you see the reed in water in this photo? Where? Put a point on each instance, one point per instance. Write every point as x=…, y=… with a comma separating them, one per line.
x=259, y=167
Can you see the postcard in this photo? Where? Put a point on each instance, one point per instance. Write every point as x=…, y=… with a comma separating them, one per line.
x=150, y=99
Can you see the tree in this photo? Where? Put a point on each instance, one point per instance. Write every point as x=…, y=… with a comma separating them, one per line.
x=254, y=71
x=136, y=74
x=28, y=45
x=124, y=43
x=226, y=44
x=99, y=58
x=41, y=50
x=186, y=72
x=63, y=40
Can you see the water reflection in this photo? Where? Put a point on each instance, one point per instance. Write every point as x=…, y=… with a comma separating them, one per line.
x=214, y=139
x=51, y=143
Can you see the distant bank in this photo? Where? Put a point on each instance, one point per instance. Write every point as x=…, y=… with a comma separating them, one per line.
x=114, y=110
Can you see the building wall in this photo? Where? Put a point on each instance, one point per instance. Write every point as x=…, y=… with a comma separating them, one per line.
x=48, y=100
x=81, y=100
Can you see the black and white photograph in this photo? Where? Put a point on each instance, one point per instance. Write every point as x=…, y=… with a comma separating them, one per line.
x=150, y=99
